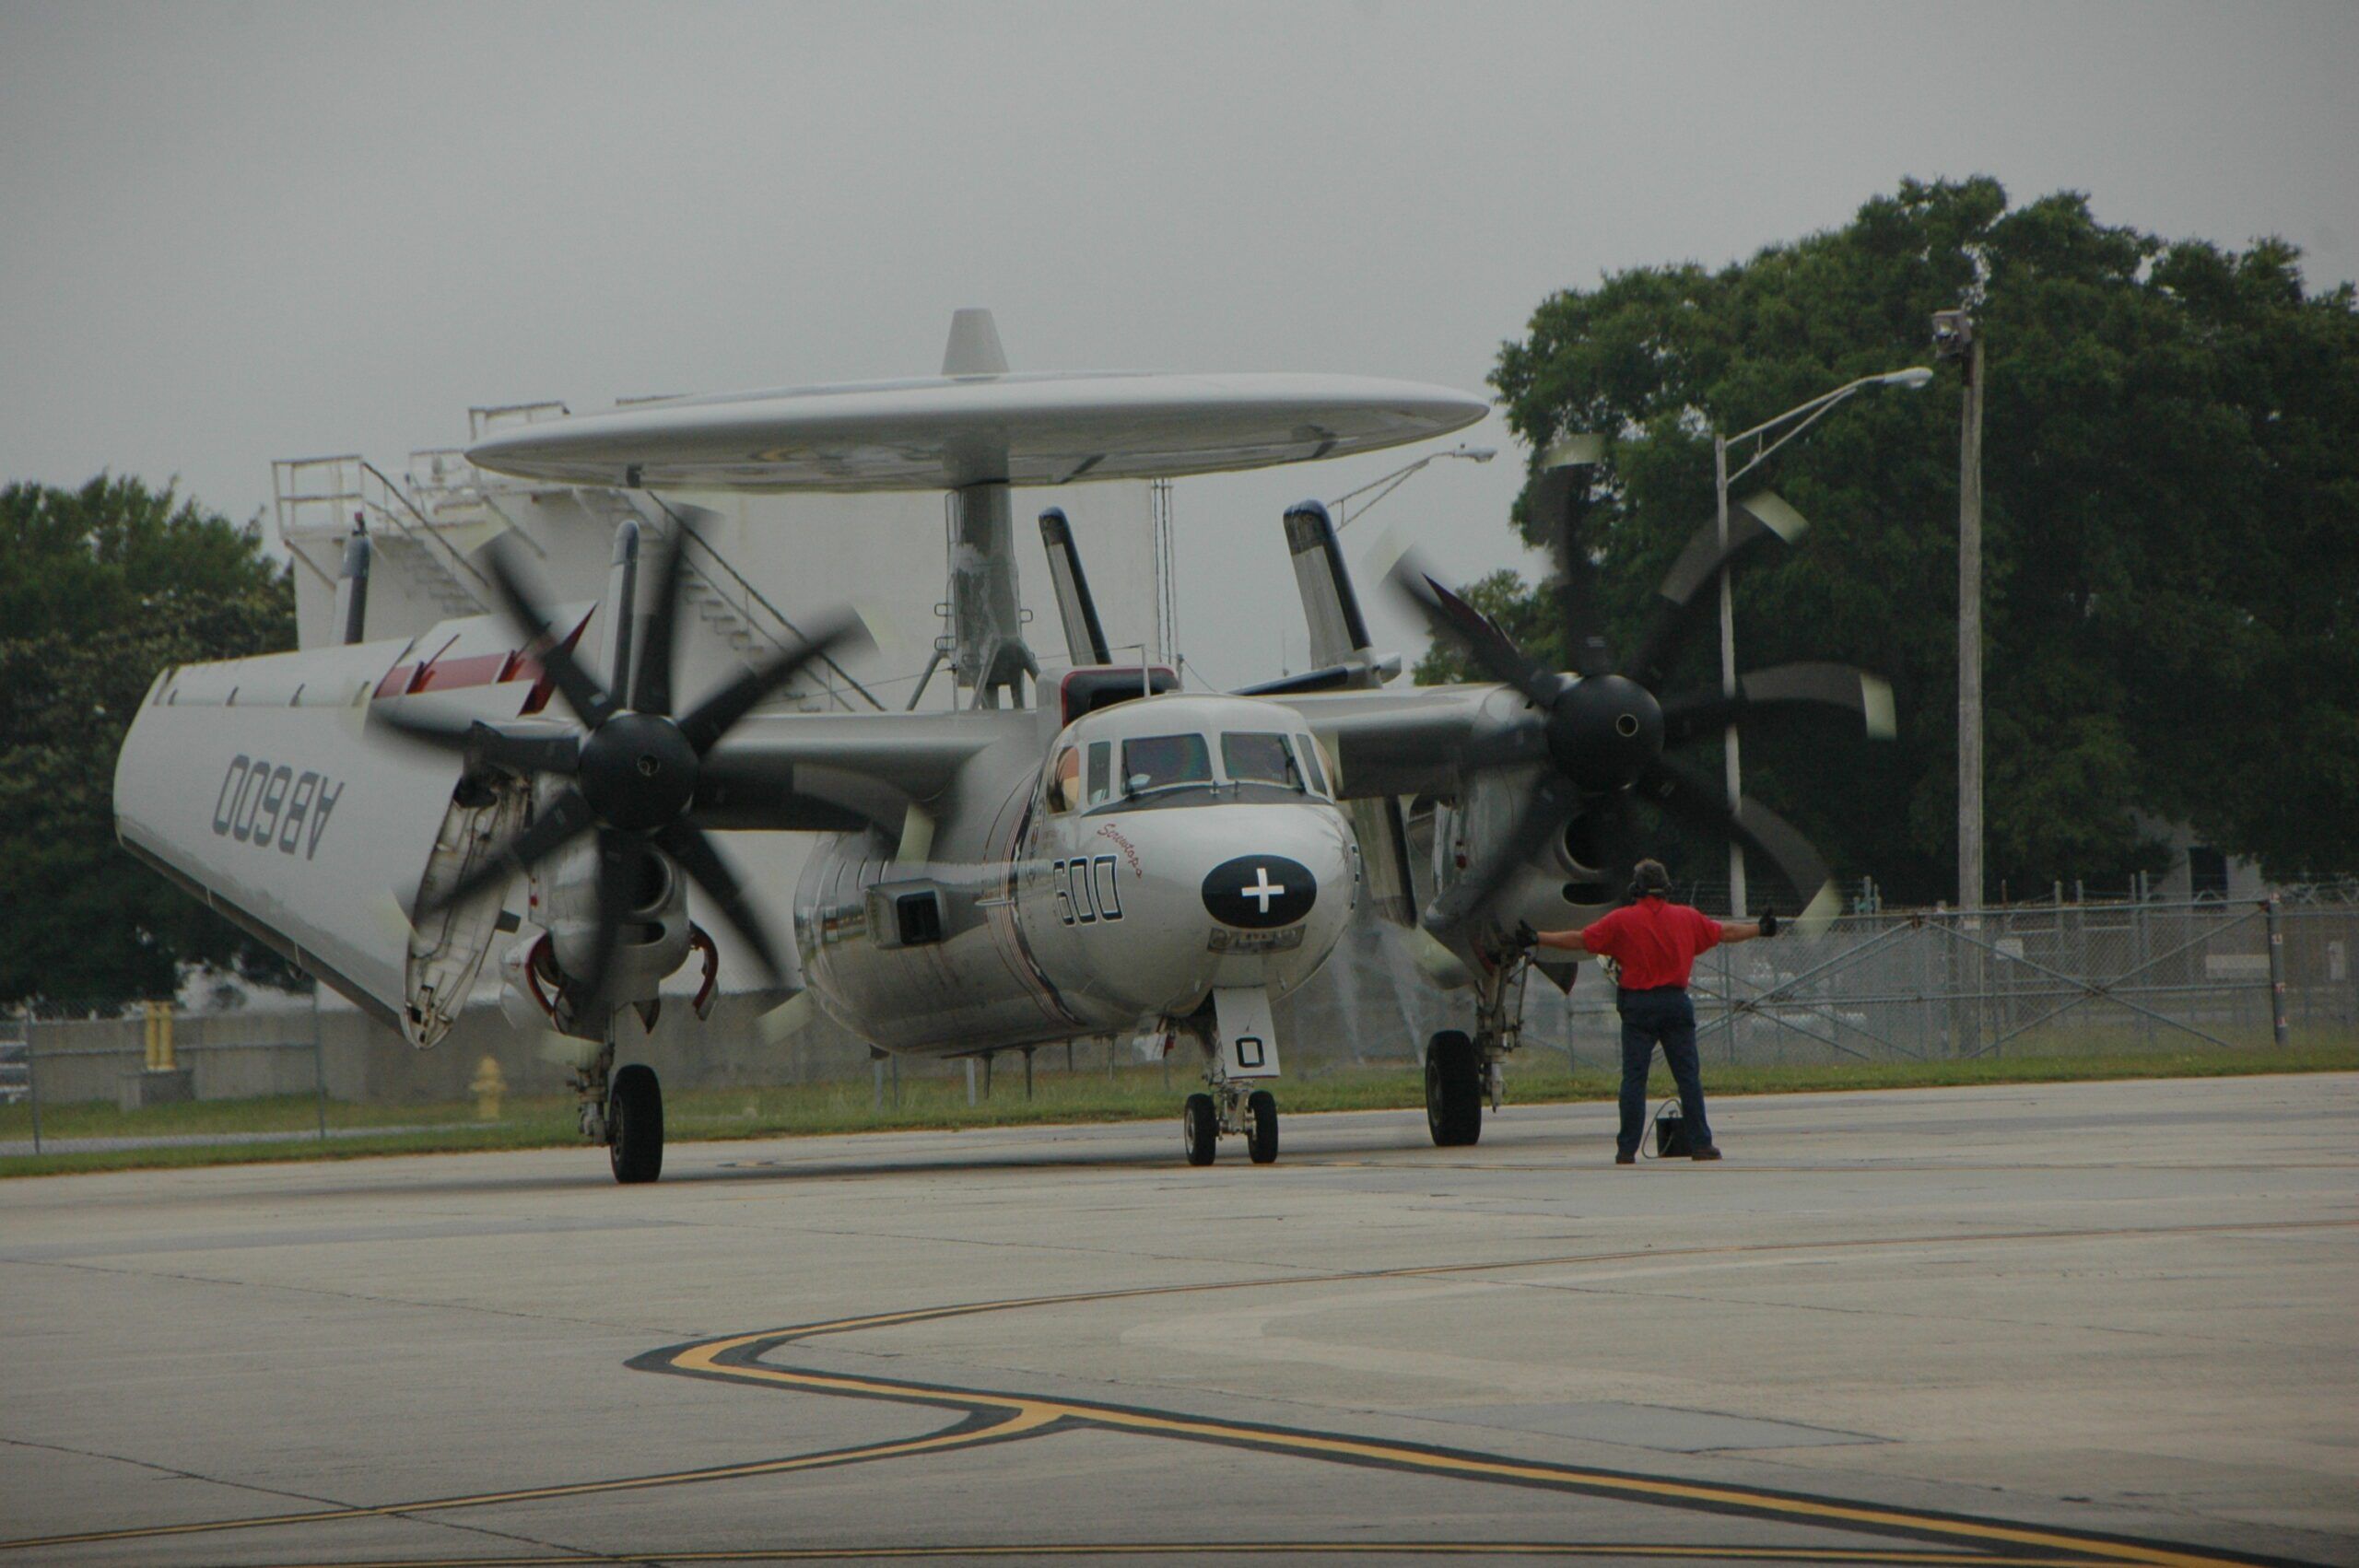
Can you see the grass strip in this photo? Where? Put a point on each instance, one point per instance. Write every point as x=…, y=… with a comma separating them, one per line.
x=932, y=1102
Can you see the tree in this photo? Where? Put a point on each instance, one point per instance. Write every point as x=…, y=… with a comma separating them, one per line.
x=102, y=587
x=2171, y=525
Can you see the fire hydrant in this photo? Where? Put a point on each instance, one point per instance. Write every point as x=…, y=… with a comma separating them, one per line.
x=489, y=1086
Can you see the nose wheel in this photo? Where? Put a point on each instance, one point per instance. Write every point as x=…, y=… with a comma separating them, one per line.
x=1199, y=1129
x=1262, y=1125
x=1205, y=1117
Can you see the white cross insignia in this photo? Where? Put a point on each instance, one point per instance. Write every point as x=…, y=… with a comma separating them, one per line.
x=1263, y=890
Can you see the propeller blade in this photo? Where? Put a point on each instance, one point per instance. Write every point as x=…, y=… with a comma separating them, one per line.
x=1753, y=523
x=714, y=717
x=564, y=819
x=687, y=844
x=580, y=691
x=1689, y=800
x=1701, y=713
x=618, y=857
x=651, y=681
x=1553, y=801
x=522, y=754
x=1559, y=499
x=1488, y=647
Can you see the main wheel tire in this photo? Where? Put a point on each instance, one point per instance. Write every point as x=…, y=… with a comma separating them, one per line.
x=1453, y=1089
x=1199, y=1129
x=1262, y=1125
x=635, y=1125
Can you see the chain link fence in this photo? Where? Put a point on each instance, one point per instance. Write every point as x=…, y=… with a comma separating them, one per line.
x=2068, y=978
x=2091, y=978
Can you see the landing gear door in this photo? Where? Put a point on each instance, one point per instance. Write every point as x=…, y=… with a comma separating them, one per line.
x=1249, y=1043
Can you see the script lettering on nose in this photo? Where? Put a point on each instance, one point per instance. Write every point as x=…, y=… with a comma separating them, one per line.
x=1258, y=892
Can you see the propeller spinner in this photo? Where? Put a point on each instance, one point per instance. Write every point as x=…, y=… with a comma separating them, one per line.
x=1602, y=736
x=633, y=768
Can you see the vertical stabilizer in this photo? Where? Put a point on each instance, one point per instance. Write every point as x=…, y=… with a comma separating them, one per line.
x=1085, y=634
x=1330, y=603
x=1343, y=658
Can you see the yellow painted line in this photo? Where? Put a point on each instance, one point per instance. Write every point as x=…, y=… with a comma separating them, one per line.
x=1899, y=1557
x=1033, y=1413
x=1024, y=1415
x=1016, y=1426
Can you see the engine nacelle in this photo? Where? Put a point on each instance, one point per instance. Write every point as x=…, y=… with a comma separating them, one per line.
x=1570, y=884
x=655, y=939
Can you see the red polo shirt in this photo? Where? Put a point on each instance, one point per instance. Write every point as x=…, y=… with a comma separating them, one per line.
x=1654, y=941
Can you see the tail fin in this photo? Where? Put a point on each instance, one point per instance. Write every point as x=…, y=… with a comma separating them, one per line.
x=1085, y=636
x=1344, y=658
x=1338, y=629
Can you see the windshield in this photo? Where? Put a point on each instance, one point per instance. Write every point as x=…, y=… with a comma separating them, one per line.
x=1259, y=759
x=1154, y=762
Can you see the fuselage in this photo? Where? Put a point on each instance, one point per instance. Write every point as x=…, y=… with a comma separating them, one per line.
x=1093, y=884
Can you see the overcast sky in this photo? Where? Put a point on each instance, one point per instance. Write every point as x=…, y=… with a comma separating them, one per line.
x=234, y=233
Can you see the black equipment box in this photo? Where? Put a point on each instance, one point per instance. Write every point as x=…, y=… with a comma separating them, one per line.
x=1671, y=1134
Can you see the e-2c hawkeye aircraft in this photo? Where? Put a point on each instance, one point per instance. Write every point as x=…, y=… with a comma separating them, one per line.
x=1113, y=856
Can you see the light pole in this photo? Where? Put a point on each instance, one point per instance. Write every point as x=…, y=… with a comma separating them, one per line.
x=1955, y=338
x=1800, y=417
x=1386, y=484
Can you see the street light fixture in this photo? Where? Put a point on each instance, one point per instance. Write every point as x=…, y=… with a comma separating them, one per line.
x=1785, y=427
x=1385, y=485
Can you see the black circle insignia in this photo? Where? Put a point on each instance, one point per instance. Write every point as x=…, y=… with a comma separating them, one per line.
x=1258, y=892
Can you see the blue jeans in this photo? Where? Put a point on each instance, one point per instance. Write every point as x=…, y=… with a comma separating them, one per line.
x=1665, y=1017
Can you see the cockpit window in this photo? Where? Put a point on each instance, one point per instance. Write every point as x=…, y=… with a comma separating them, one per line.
x=1259, y=759
x=1308, y=750
x=1153, y=762
x=1064, y=780
x=1101, y=772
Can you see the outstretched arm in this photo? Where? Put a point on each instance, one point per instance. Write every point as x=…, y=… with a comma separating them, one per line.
x=1746, y=930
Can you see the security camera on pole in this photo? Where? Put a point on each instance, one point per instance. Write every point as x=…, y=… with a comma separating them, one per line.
x=1801, y=417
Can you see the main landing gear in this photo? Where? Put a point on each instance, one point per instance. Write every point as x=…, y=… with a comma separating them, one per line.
x=1205, y=1117
x=1463, y=1071
x=624, y=1111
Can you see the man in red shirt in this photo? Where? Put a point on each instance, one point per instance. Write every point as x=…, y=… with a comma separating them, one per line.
x=1654, y=944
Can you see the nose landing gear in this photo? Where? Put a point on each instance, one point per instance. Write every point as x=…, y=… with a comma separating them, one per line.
x=1205, y=1118
x=1236, y=1033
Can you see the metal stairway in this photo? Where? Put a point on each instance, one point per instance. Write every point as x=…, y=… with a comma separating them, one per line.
x=748, y=639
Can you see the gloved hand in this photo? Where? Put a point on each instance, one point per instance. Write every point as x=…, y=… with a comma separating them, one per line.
x=1524, y=935
x=1768, y=922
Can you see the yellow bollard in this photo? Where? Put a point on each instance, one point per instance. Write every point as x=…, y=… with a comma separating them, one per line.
x=160, y=1036
x=489, y=1086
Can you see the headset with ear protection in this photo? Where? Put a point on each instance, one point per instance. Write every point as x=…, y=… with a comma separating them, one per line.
x=1648, y=877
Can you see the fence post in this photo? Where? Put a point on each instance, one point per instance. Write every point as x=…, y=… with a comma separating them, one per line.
x=32, y=1075
x=319, y=1067
x=2276, y=972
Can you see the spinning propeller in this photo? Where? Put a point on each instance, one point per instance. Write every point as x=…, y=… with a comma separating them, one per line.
x=634, y=767
x=1600, y=739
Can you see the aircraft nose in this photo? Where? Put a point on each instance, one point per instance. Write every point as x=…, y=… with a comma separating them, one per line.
x=1260, y=892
